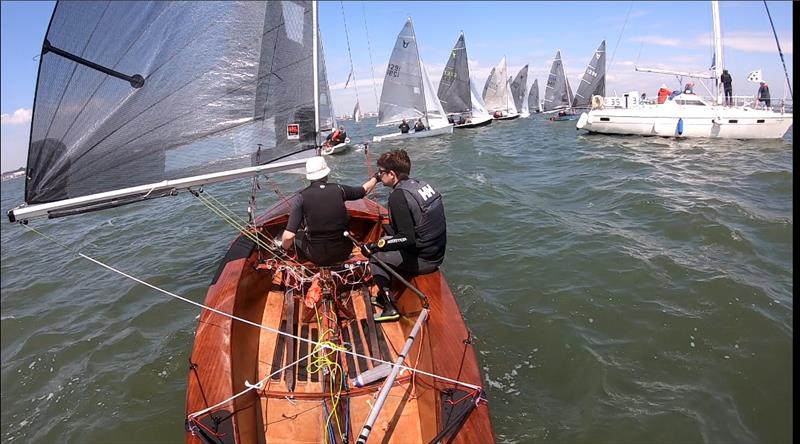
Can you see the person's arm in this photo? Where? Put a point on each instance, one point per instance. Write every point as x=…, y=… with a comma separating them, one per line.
x=293, y=224
x=370, y=184
x=401, y=215
x=354, y=193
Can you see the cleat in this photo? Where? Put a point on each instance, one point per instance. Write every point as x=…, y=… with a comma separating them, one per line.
x=389, y=314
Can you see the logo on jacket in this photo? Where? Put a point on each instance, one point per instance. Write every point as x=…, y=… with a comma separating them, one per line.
x=426, y=192
x=405, y=44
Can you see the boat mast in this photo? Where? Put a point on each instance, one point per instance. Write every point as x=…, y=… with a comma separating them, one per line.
x=718, y=63
x=419, y=60
x=315, y=63
x=566, y=82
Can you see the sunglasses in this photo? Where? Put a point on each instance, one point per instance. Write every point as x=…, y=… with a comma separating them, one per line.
x=382, y=171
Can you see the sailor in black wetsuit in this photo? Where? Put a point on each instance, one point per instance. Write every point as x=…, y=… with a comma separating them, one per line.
x=416, y=239
x=321, y=208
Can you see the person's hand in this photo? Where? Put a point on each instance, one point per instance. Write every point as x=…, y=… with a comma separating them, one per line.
x=279, y=244
x=368, y=249
x=377, y=176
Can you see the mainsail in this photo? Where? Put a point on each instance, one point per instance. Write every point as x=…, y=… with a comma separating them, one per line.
x=486, y=84
x=403, y=95
x=519, y=86
x=454, y=89
x=533, y=96
x=357, y=113
x=170, y=90
x=496, y=95
x=594, y=79
x=557, y=93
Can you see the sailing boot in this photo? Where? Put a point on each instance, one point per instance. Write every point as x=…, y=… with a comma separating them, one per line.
x=389, y=313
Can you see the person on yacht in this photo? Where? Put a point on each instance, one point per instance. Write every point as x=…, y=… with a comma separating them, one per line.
x=663, y=93
x=689, y=89
x=763, y=94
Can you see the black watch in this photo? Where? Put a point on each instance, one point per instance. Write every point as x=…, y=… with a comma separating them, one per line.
x=377, y=176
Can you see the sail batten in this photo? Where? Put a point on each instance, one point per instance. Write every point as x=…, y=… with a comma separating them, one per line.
x=227, y=86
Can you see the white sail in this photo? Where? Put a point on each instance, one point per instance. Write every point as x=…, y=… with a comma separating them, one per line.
x=496, y=94
x=478, y=107
x=403, y=95
x=357, y=113
x=433, y=106
x=511, y=108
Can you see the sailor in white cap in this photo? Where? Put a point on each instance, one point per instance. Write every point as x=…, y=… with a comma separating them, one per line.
x=320, y=208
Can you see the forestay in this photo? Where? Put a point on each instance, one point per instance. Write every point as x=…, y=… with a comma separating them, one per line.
x=220, y=91
x=557, y=93
x=594, y=79
x=454, y=89
x=402, y=96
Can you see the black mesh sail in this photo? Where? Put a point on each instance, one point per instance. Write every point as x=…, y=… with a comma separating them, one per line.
x=454, y=90
x=593, y=81
x=218, y=79
x=519, y=86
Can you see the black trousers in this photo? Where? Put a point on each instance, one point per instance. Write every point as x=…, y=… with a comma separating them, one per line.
x=322, y=251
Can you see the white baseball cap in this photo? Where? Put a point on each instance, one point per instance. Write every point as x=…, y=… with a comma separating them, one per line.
x=316, y=168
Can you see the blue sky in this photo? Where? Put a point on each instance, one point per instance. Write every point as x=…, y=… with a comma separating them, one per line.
x=672, y=35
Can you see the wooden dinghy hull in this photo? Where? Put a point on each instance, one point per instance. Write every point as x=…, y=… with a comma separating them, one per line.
x=297, y=403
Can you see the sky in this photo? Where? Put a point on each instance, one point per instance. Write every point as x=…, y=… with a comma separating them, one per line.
x=669, y=35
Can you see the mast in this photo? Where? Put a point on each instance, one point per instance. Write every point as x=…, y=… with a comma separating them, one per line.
x=718, y=62
x=315, y=64
x=419, y=60
x=566, y=83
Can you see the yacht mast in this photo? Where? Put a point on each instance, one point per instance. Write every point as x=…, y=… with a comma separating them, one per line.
x=315, y=62
x=718, y=62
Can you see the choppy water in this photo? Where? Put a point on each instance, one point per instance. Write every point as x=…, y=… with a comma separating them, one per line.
x=621, y=289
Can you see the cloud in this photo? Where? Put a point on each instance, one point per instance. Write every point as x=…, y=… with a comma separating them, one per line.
x=21, y=116
x=749, y=42
x=657, y=40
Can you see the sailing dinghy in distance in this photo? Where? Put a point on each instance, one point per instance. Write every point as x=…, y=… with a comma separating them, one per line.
x=497, y=93
x=519, y=86
x=686, y=114
x=456, y=91
x=593, y=82
x=408, y=92
x=557, y=92
x=533, y=97
x=219, y=85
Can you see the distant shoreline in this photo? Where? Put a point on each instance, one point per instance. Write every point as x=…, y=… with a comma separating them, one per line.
x=8, y=175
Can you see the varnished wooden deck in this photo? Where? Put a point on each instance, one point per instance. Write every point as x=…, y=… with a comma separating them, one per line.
x=290, y=407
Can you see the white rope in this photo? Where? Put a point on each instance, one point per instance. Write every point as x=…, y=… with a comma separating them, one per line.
x=257, y=386
x=264, y=327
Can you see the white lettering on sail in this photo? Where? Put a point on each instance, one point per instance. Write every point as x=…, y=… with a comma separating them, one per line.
x=426, y=192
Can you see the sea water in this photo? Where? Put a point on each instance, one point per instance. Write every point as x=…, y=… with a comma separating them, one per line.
x=620, y=289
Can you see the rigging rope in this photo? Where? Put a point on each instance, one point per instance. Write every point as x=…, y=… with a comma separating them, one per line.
x=788, y=81
x=611, y=63
x=349, y=53
x=236, y=318
x=369, y=50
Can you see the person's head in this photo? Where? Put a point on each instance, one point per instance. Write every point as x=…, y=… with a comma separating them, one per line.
x=404, y=121
x=317, y=168
x=763, y=83
x=724, y=71
x=394, y=166
x=663, y=86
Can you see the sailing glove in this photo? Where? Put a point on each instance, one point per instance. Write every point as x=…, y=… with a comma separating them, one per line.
x=377, y=176
x=368, y=249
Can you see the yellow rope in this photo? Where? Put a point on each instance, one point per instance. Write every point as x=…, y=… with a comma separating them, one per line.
x=322, y=353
